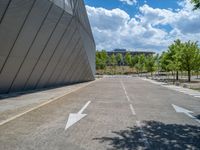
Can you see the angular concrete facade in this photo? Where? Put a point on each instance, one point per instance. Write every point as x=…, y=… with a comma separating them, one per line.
x=44, y=43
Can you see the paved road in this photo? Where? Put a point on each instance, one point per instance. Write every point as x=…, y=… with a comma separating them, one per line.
x=124, y=114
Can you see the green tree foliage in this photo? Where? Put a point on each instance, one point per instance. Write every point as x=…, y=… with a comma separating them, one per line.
x=164, y=63
x=181, y=57
x=119, y=59
x=189, y=57
x=150, y=64
x=197, y=67
x=138, y=62
x=196, y=4
x=157, y=63
x=113, y=61
x=134, y=61
x=141, y=63
x=174, y=59
x=101, y=59
x=127, y=59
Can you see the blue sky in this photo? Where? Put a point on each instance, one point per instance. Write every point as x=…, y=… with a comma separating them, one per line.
x=149, y=25
x=133, y=9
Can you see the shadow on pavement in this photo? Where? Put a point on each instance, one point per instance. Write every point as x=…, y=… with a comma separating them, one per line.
x=160, y=136
x=17, y=94
x=198, y=117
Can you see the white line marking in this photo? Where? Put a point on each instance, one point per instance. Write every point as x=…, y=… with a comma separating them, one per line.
x=84, y=107
x=179, y=109
x=43, y=104
x=132, y=109
x=138, y=123
x=75, y=117
x=191, y=116
x=127, y=97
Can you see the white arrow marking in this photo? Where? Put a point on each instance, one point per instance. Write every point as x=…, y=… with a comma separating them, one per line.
x=185, y=111
x=75, y=117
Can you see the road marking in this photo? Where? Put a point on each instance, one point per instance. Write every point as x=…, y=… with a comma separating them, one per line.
x=138, y=123
x=127, y=97
x=84, y=107
x=132, y=109
x=185, y=111
x=45, y=103
x=75, y=117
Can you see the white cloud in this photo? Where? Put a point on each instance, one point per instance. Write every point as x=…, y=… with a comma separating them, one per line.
x=145, y=31
x=129, y=2
x=104, y=19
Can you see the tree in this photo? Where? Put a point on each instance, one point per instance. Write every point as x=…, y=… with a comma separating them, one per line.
x=197, y=67
x=104, y=57
x=141, y=63
x=164, y=63
x=189, y=57
x=150, y=64
x=196, y=4
x=119, y=59
x=101, y=59
x=113, y=61
x=174, y=59
x=157, y=63
x=134, y=61
x=128, y=59
x=100, y=64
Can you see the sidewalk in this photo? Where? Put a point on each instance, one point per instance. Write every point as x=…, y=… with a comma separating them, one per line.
x=17, y=105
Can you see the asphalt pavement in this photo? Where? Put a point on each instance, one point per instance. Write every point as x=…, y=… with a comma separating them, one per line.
x=118, y=113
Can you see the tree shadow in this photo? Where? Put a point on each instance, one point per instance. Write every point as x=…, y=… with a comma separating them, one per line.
x=159, y=136
x=198, y=117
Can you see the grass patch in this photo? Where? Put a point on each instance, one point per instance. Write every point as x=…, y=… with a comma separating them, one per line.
x=116, y=70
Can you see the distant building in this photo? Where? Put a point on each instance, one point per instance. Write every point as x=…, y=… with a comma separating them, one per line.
x=133, y=53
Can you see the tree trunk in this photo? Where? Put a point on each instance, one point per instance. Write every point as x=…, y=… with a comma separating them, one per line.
x=177, y=75
x=173, y=77
x=189, y=76
x=168, y=75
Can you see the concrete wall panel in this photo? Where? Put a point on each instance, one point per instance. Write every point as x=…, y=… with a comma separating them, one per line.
x=77, y=67
x=64, y=58
x=44, y=43
x=36, y=48
x=12, y=24
x=70, y=62
x=4, y=4
x=23, y=42
x=59, y=51
x=49, y=50
x=79, y=76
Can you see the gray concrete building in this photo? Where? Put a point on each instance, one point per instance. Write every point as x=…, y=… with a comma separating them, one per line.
x=44, y=43
x=133, y=53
